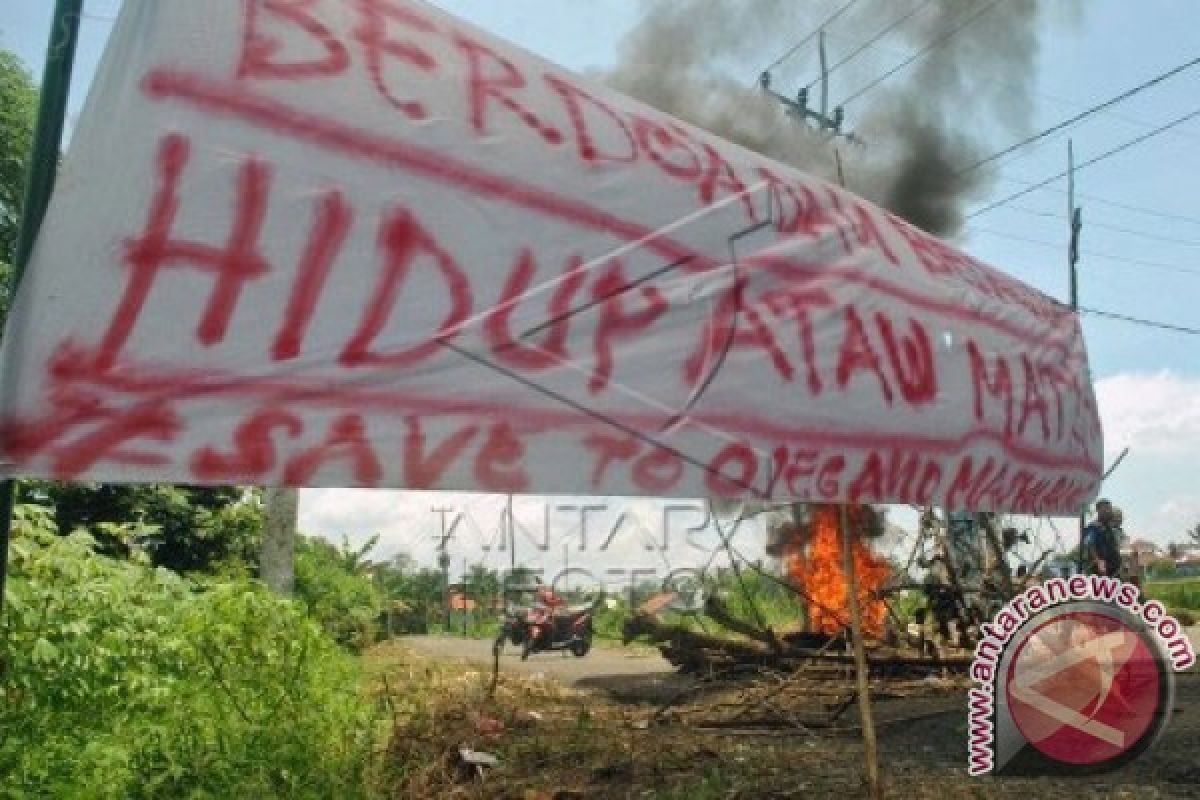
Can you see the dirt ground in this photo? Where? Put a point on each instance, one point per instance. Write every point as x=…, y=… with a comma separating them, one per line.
x=922, y=738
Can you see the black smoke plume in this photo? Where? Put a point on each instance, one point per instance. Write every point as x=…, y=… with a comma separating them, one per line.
x=700, y=59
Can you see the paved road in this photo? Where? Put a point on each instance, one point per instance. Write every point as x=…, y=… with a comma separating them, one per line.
x=628, y=673
x=631, y=674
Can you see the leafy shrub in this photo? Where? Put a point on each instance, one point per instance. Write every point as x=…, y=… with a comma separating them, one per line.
x=122, y=681
x=336, y=587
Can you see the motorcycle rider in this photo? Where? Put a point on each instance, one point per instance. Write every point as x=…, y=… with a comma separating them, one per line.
x=549, y=598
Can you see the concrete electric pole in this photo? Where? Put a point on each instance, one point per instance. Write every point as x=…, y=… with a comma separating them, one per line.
x=278, y=569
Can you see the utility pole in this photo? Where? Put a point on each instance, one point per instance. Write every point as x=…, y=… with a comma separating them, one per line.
x=824, y=74
x=1075, y=221
x=444, y=559
x=821, y=118
x=43, y=169
x=512, y=540
x=278, y=568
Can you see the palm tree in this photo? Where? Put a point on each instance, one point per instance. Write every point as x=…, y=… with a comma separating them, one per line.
x=354, y=560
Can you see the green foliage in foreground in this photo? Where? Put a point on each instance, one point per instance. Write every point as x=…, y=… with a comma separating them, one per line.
x=336, y=587
x=1183, y=593
x=185, y=529
x=122, y=681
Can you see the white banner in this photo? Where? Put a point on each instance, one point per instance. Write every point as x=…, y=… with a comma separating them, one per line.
x=361, y=243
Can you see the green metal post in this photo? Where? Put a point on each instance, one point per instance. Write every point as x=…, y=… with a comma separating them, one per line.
x=43, y=168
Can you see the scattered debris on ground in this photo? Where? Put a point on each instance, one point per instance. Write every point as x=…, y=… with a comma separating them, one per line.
x=757, y=734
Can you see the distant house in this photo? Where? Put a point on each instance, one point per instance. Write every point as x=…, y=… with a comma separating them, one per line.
x=1137, y=555
x=460, y=602
x=1188, y=564
x=1146, y=549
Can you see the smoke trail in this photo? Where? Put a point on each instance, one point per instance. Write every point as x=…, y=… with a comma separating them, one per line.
x=698, y=60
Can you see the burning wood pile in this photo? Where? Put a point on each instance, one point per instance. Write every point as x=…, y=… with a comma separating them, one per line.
x=965, y=575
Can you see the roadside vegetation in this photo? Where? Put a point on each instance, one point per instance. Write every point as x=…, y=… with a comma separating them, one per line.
x=1178, y=593
x=1181, y=596
x=119, y=679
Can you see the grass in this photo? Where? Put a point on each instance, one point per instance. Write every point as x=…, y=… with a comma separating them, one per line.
x=1181, y=593
x=555, y=742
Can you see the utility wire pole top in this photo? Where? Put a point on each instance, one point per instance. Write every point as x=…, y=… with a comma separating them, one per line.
x=820, y=118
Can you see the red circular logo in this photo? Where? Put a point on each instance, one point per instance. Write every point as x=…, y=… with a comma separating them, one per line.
x=1084, y=688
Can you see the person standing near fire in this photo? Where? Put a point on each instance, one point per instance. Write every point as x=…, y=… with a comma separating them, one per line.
x=1101, y=542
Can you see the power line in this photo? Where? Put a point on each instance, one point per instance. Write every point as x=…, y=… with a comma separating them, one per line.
x=1141, y=209
x=1112, y=101
x=1090, y=253
x=1149, y=212
x=863, y=47
x=1090, y=162
x=915, y=56
x=1147, y=323
x=1033, y=212
x=795, y=49
x=1053, y=99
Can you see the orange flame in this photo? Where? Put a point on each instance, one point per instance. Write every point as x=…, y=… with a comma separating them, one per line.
x=816, y=566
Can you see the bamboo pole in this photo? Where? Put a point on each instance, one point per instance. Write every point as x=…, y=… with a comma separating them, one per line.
x=870, y=744
x=43, y=168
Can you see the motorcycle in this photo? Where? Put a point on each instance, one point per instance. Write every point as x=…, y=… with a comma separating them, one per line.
x=539, y=627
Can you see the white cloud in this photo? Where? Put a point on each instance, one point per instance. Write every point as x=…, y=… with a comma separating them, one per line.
x=1156, y=415
x=1176, y=516
x=1151, y=413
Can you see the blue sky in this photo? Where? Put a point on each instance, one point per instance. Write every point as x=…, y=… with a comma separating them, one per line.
x=1141, y=211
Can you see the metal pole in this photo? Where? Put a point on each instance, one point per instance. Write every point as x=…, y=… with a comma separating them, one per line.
x=43, y=168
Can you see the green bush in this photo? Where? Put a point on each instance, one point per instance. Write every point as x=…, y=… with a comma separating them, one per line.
x=335, y=587
x=122, y=681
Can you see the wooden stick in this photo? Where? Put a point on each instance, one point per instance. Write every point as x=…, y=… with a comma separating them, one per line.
x=716, y=609
x=870, y=744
